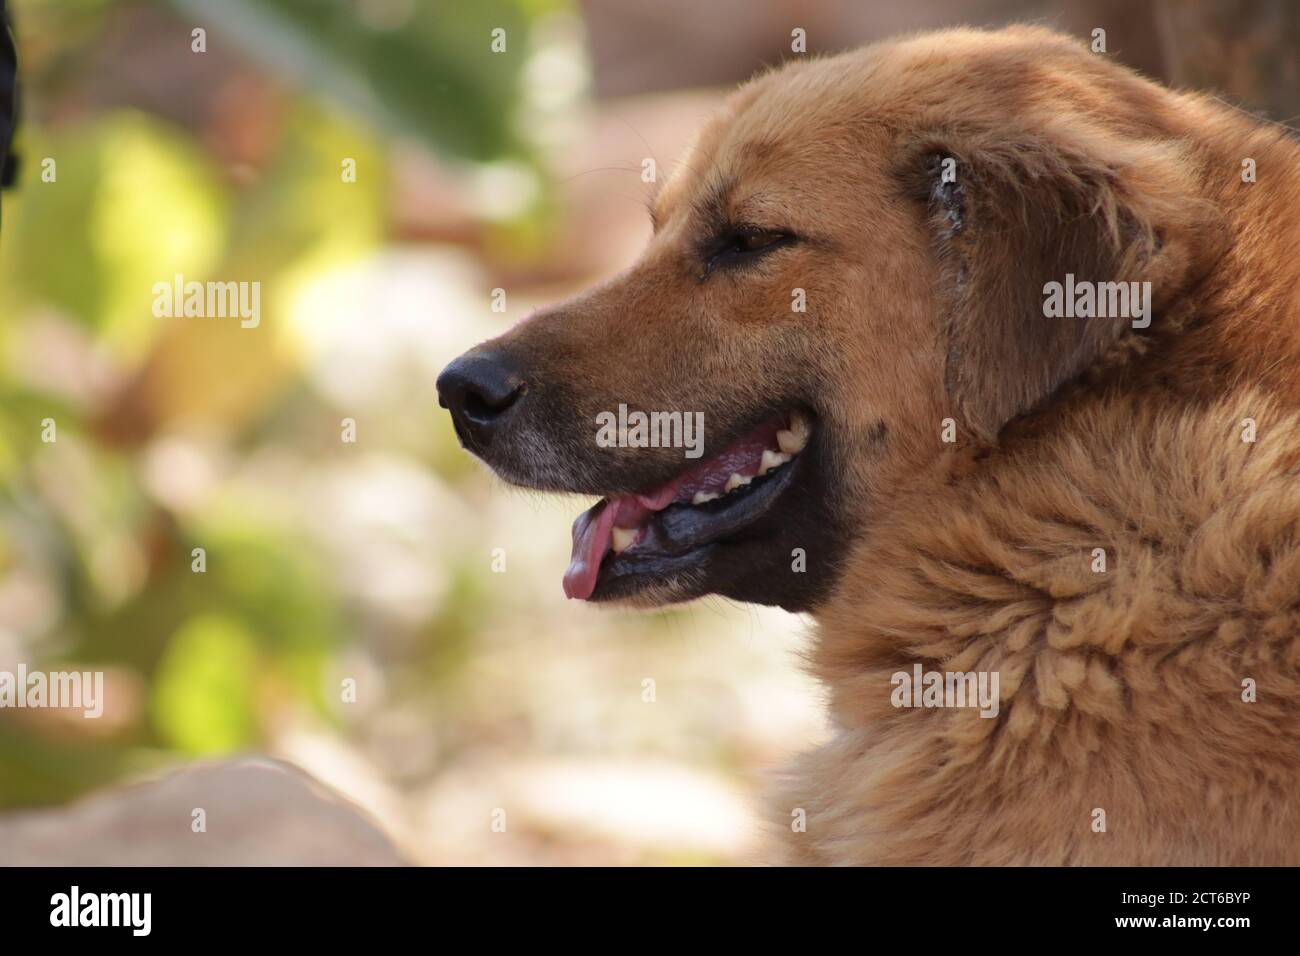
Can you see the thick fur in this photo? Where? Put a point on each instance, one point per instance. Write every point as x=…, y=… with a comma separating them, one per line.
x=1121, y=690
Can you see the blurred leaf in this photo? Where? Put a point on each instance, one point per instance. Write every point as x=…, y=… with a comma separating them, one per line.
x=429, y=72
x=35, y=771
x=204, y=691
x=125, y=176
x=21, y=414
x=271, y=585
x=299, y=218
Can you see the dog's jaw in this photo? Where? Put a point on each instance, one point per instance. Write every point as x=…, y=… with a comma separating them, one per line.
x=665, y=528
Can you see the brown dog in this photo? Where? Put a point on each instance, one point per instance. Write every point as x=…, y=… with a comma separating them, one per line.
x=1046, y=523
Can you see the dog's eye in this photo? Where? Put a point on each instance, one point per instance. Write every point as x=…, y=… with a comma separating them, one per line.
x=754, y=240
x=742, y=244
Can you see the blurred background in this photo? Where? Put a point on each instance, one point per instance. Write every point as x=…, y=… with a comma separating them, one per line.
x=393, y=562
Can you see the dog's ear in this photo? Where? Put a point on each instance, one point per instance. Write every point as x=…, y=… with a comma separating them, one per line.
x=1010, y=214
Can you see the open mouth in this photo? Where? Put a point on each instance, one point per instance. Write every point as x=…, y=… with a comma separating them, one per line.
x=667, y=528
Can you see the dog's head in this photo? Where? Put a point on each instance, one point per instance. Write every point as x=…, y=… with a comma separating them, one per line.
x=853, y=252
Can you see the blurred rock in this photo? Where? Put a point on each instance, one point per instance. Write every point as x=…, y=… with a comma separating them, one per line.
x=259, y=812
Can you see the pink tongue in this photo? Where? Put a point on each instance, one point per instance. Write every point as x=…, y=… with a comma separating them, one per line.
x=591, y=539
x=593, y=531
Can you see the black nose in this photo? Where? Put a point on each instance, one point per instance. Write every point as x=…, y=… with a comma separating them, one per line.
x=478, y=389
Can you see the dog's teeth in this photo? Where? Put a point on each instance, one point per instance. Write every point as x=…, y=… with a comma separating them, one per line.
x=623, y=538
x=772, y=459
x=735, y=481
x=791, y=440
x=702, y=496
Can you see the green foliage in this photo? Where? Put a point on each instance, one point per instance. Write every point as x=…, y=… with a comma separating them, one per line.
x=429, y=74
x=126, y=175
x=204, y=691
x=201, y=662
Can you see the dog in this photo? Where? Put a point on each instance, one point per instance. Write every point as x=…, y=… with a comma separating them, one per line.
x=866, y=275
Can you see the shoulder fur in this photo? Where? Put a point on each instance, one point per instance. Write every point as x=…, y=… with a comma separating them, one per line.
x=1120, y=690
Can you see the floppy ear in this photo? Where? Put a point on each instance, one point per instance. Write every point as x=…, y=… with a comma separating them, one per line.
x=1010, y=214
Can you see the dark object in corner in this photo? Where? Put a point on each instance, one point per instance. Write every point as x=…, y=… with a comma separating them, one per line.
x=8, y=99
